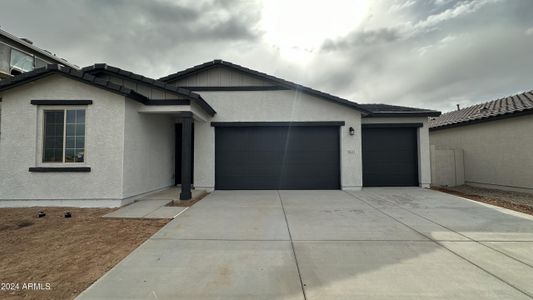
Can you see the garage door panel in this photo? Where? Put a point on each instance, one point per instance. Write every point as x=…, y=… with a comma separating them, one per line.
x=390, y=157
x=394, y=180
x=252, y=158
x=277, y=157
x=247, y=182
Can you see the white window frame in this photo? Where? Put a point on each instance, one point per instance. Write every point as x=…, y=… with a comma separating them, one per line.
x=40, y=136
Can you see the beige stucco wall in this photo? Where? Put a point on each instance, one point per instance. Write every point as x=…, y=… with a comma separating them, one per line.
x=424, y=162
x=447, y=167
x=148, y=151
x=20, y=144
x=497, y=154
x=276, y=106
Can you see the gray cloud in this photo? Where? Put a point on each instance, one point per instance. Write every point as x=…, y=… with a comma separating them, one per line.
x=427, y=53
x=465, y=52
x=134, y=34
x=365, y=38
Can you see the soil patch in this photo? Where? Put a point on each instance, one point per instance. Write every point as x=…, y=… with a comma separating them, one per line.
x=521, y=202
x=186, y=203
x=65, y=254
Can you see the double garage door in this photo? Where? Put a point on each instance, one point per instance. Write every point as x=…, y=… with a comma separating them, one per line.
x=307, y=156
x=277, y=157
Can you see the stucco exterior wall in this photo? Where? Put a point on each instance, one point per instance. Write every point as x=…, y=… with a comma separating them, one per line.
x=424, y=161
x=276, y=106
x=497, y=154
x=148, y=151
x=21, y=137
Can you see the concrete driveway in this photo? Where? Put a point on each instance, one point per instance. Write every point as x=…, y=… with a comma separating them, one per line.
x=400, y=243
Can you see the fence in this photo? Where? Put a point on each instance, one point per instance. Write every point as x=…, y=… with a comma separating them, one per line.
x=447, y=167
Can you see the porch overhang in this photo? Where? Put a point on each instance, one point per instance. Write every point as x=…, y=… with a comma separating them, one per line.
x=175, y=108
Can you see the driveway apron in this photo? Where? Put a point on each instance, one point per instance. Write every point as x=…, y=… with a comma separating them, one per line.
x=378, y=243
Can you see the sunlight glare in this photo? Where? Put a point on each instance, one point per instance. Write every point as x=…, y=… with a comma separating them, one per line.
x=298, y=27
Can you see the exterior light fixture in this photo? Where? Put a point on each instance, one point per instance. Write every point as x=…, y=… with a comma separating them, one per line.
x=352, y=131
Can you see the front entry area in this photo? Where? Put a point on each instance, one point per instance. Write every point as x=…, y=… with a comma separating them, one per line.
x=276, y=156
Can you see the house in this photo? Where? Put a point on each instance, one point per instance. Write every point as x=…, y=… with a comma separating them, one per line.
x=496, y=139
x=103, y=136
x=19, y=55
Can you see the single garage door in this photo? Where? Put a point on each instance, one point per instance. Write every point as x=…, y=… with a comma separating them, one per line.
x=277, y=157
x=390, y=156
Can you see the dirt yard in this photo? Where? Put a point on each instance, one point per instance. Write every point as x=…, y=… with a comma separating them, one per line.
x=57, y=258
x=522, y=202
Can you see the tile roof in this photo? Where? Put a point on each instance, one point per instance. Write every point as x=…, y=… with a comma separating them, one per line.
x=385, y=110
x=276, y=80
x=96, y=68
x=71, y=73
x=503, y=107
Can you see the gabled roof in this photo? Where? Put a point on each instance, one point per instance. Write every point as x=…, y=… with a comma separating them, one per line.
x=500, y=108
x=44, y=53
x=385, y=110
x=276, y=80
x=104, y=68
x=73, y=74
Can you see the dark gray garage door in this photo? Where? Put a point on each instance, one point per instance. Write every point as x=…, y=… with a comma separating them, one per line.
x=390, y=156
x=277, y=157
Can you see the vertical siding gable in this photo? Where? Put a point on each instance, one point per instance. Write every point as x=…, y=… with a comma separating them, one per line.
x=220, y=76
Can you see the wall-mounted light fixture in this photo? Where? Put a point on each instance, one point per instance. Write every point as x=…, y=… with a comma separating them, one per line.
x=352, y=131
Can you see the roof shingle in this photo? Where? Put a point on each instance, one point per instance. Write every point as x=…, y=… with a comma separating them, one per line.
x=385, y=110
x=96, y=68
x=71, y=73
x=485, y=111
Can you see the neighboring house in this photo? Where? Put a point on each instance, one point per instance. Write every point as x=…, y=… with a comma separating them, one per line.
x=102, y=136
x=497, y=141
x=19, y=55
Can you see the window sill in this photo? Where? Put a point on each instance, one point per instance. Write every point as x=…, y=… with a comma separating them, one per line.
x=59, y=169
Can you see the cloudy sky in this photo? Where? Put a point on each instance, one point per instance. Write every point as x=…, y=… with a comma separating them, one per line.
x=425, y=53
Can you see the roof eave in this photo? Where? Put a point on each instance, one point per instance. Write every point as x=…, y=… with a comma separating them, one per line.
x=281, y=82
x=101, y=67
x=67, y=72
x=404, y=114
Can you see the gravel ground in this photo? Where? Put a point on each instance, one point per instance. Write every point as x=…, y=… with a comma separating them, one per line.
x=522, y=202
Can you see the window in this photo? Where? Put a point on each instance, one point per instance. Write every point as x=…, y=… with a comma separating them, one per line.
x=21, y=61
x=40, y=63
x=64, y=136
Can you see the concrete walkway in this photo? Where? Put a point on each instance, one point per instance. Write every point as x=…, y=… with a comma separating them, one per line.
x=153, y=206
x=379, y=243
